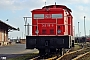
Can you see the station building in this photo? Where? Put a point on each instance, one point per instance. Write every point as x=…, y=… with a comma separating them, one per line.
x=4, y=29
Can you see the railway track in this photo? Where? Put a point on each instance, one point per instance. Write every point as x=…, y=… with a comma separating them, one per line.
x=45, y=57
x=71, y=54
x=75, y=54
x=54, y=56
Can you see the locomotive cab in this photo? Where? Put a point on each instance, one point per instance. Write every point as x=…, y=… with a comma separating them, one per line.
x=52, y=28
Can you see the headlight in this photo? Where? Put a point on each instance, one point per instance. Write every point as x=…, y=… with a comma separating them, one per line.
x=36, y=31
x=59, y=31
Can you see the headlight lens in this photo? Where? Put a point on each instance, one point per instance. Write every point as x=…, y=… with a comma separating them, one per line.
x=59, y=31
x=36, y=31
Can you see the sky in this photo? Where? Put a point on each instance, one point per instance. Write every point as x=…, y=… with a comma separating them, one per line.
x=15, y=10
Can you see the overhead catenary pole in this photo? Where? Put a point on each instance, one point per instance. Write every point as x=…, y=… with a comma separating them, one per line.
x=25, y=20
x=78, y=30
x=84, y=29
x=28, y=29
x=78, y=33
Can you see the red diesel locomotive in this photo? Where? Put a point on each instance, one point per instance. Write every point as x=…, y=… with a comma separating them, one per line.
x=52, y=28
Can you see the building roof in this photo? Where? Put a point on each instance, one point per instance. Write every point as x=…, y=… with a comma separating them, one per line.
x=7, y=25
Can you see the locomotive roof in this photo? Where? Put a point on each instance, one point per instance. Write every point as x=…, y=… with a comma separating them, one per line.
x=56, y=6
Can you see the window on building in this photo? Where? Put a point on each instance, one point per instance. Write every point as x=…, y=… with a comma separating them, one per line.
x=51, y=31
x=57, y=15
x=43, y=31
x=38, y=16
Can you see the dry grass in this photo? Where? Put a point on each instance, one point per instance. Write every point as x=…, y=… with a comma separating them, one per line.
x=77, y=47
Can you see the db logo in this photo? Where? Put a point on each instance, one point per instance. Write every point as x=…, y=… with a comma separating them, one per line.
x=47, y=15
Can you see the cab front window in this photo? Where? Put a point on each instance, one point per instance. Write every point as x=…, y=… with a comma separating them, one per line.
x=57, y=16
x=38, y=16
